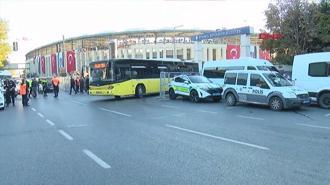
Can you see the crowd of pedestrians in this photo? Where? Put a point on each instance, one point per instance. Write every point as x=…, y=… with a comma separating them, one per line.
x=79, y=84
x=27, y=88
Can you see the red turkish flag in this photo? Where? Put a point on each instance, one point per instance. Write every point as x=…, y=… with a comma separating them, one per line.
x=70, y=61
x=43, y=64
x=53, y=63
x=233, y=52
x=264, y=54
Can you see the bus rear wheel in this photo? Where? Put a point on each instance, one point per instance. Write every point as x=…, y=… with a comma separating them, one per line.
x=140, y=91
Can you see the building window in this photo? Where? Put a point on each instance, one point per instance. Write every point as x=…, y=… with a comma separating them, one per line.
x=188, y=54
x=147, y=54
x=161, y=54
x=129, y=53
x=214, y=53
x=207, y=54
x=221, y=53
x=154, y=54
x=169, y=53
x=179, y=54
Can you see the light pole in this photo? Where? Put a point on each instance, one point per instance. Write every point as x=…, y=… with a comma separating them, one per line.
x=174, y=49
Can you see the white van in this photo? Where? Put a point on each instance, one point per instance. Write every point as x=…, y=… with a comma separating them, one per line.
x=215, y=70
x=312, y=72
x=262, y=87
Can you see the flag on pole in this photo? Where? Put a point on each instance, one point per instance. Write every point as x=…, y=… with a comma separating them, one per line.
x=53, y=64
x=70, y=61
x=233, y=52
x=264, y=54
x=43, y=64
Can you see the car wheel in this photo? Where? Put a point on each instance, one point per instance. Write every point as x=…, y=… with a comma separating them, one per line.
x=172, y=94
x=139, y=91
x=194, y=96
x=231, y=99
x=216, y=99
x=324, y=100
x=276, y=103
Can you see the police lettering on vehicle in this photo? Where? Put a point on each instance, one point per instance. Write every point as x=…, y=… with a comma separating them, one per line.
x=256, y=91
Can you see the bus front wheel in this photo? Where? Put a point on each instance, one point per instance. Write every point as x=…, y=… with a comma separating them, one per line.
x=140, y=91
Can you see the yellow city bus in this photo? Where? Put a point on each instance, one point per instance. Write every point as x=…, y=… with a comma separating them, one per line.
x=132, y=77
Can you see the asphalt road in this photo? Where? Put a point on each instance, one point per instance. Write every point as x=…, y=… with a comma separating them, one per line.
x=99, y=140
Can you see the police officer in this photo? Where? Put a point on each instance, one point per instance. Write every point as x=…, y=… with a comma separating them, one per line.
x=12, y=93
x=56, y=83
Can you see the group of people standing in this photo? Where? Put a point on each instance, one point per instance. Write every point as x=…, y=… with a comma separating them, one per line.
x=79, y=84
x=26, y=88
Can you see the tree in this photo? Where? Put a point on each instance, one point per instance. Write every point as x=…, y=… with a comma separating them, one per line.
x=4, y=46
x=305, y=27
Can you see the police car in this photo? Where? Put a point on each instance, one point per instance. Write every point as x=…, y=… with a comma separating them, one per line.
x=194, y=86
x=262, y=87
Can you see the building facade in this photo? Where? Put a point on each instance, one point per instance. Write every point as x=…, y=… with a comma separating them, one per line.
x=74, y=54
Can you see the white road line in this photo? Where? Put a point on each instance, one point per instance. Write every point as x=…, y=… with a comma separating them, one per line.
x=33, y=109
x=327, y=115
x=66, y=135
x=77, y=126
x=115, y=112
x=77, y=102
x=313, y=126
x=96, y=159
x=218, y=137
x=206, y=111
x=248, y=117
x=169, y=106
x=50, y=122
x=41, y=115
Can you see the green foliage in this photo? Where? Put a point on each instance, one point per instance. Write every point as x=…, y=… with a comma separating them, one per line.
x=4, y=46
x=305, y=26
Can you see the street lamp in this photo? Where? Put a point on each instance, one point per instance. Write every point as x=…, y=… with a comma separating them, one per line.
x=174, y=49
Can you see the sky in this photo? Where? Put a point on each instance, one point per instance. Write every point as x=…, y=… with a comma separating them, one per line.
x=41, y=22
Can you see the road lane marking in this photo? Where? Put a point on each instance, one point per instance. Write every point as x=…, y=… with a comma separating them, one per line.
x=50, y=122
x=169, y=106
x=33, y=109
x=66, y=135
x=218, y=137
x=206, y=111
x=77, y=126
x=96, y=159
x=248, y=117
x=41, y=115
x=115, y=112
x=312, y=126
x=327, y=115
x=77, y=102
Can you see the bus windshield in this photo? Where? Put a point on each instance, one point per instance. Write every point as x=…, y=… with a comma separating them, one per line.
x=277, y=80
x=199, y=79
x=100, y=72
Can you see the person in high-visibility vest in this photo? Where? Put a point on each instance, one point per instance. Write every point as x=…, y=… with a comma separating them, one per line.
x=23, y=90
x=56, y=83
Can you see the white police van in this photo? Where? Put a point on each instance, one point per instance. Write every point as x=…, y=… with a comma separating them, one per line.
x=215, y=70
x=262, y=87
x=194, y=86
x=312, y=72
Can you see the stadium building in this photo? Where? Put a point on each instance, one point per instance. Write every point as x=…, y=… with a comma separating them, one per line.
x=74, y=54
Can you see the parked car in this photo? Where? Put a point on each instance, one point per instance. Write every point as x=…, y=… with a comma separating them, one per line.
x=262, y=87
x=215, y=70
x=312, y=72
x=194, y=86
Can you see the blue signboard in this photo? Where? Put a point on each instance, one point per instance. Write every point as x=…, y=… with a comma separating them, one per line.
x=223, y=33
